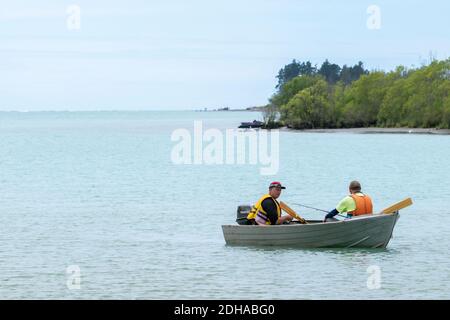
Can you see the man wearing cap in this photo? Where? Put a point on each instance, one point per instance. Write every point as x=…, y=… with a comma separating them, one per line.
x=355, y=204
x=267, y=210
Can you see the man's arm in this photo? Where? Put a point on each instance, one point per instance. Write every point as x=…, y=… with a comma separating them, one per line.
x=345, y=205
x=331, y=214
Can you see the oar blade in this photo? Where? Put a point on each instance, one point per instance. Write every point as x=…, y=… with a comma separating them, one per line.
x=397, y=206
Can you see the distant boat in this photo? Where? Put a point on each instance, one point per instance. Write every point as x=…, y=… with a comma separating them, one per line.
x=253, y=124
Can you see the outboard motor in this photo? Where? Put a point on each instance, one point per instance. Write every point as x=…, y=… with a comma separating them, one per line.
x=242, y=212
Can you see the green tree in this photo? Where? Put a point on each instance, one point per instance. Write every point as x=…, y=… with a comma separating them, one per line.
x=364, y=99
x=294, y=69
x=429, y=87
x=445, y=122
x=350, y=74
x=310, y=108
x=270, y=116
x=307, y=69
x=289, y=89
x=392, y=111
x=330, y=71
x=339, y=101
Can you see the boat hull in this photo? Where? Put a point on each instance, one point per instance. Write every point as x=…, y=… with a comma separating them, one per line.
x=370, y=231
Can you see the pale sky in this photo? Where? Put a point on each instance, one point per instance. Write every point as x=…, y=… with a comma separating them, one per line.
x=161, y=55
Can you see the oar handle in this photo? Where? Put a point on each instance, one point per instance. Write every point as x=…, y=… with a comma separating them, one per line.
x=291, y=212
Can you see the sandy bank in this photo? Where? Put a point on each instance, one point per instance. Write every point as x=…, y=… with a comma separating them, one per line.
x=376, y=130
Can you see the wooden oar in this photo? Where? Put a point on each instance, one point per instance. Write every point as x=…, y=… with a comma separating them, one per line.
x=397, y=206
x=291, y=212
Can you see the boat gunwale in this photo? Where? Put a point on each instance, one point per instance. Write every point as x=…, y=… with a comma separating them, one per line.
x=297, y=225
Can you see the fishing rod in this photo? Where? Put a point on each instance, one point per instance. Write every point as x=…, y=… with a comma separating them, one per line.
x=302, y=205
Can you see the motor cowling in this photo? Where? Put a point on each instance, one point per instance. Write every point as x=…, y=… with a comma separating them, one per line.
x=242, y=213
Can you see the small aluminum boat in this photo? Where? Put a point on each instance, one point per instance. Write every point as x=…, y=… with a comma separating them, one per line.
x=366, y=231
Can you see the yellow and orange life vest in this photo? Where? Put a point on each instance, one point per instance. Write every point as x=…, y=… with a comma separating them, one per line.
x=257, y=208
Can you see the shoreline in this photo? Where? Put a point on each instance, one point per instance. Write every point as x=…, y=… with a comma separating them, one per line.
x=374, y=130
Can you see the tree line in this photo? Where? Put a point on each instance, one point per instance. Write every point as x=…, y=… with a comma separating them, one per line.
x=331, y=96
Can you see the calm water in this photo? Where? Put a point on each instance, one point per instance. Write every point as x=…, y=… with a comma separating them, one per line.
x=99, y=190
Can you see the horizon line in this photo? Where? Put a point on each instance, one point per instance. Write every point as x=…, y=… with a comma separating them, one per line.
x=125, y=110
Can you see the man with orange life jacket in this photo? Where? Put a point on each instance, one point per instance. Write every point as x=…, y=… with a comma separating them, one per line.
x=355, y=204
x=267, y=210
